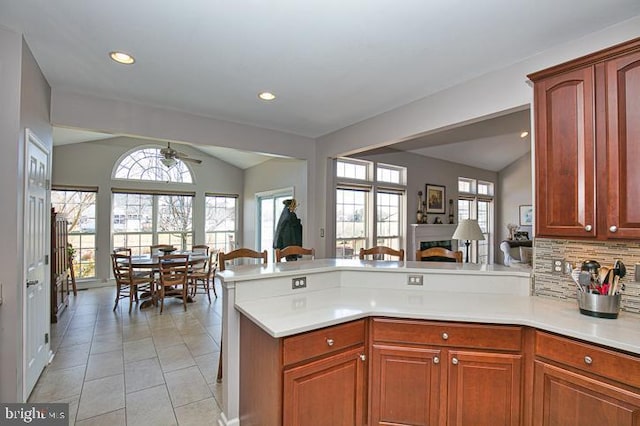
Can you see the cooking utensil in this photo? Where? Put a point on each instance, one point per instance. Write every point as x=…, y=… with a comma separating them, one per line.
x=603, y=275
x=590, y=266
x=620, y=269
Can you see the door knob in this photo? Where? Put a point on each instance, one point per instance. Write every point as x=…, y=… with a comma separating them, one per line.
x=445, y=336
x=613, y=228
x=588, y=360
x=363, y=357
x=436, y=360
x=330, y=342
x=454, y=361
x=588, y=228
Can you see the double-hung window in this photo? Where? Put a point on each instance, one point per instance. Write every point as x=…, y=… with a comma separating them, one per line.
x=221, y=221
x=475, y=201
x=78, y=205
x=370, y=199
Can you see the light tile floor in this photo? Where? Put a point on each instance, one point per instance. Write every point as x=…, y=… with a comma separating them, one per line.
x=143, y=368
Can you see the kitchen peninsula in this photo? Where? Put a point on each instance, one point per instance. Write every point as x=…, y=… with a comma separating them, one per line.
x=365, y=313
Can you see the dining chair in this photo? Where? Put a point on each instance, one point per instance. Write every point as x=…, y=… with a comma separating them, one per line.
x=200, y=249
x=127, y=282
x=173, y=277
x=241, y=253
x=438, y=254
x=294, y=251
x=122, y=250
x=378, y=253
x=201, y=277
x=236, y=254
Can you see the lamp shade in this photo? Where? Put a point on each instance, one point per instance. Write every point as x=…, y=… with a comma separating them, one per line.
x=468, y=229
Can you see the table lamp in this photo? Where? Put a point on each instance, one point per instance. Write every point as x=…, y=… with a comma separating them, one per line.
x=468, y=229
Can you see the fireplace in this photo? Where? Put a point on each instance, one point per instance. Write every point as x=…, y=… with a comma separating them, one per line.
x=431, y=235
x=443, y=243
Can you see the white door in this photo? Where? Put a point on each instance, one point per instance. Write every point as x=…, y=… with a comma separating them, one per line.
x=36, y=240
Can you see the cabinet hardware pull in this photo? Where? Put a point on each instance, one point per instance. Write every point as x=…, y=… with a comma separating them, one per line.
x=588, y=360
x=330, y=342
x=613, y=228
x=32, y=282
x=454, y=361
x=588, y=228
x=363, y=357
x=445, y=336
x=436, y=360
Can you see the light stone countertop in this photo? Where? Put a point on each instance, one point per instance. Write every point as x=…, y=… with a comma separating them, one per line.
x=256, y=272
x=295, y=312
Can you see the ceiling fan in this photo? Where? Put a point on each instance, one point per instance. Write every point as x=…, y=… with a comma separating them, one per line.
x=170, y=156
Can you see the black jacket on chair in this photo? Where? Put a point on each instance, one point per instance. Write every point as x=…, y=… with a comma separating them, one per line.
x=288, y=232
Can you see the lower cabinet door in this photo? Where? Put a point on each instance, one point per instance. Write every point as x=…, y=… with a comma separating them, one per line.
x=329, y=391
x=405, y=385
x=565, y=398
x=484, y=388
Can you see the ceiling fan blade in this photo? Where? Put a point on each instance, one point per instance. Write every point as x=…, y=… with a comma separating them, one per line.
x=191, y=160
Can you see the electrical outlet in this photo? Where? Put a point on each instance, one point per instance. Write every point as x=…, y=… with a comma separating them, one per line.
x=556, y=266
x=297, y=283
x=414, y=280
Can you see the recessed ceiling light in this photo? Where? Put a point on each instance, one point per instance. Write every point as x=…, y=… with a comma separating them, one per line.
x=122, y=58
x=266, y=96
x=524, y=134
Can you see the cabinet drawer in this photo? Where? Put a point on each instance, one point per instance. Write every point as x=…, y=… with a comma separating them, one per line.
x=447, y=334
x=317, y=343
x=603, y=362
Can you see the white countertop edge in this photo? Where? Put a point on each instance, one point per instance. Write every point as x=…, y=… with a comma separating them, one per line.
x=256, y=272
x=610, y=334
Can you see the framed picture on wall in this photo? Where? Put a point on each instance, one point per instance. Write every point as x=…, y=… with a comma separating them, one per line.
x=526, y=215
x=435, y=198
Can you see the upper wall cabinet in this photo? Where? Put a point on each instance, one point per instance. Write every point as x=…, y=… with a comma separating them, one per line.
x=587, y=121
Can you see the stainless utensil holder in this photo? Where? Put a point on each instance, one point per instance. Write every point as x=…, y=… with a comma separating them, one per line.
x=600, y=306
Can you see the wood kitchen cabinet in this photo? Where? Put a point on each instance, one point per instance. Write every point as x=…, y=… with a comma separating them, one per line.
x=430, y=373
x=312, y=379
x=582, y=384
x=587, y=121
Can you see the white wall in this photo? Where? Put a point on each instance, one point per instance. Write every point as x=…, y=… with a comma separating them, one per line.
x=269, y=176
x=514, y=190
x=499, y=91
x=24, y=103
x=91, y=164
x=422, y=170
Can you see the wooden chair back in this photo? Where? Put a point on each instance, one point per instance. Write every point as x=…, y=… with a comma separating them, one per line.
x=294, y=250
x=122, y=271
x=122, y=250
x=240, y=253
x=439, y=254
x=379, y=251
x=200, y=248
x=173, y=269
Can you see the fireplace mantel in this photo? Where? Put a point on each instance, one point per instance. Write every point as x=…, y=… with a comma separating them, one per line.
x=429, y=232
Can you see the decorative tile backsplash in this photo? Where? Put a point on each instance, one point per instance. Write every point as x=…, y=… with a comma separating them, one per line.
x=549, y=284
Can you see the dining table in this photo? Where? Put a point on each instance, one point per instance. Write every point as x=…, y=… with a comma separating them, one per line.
x=151, y=263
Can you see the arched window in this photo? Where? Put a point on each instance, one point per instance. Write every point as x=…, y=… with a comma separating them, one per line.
x=145, y=164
